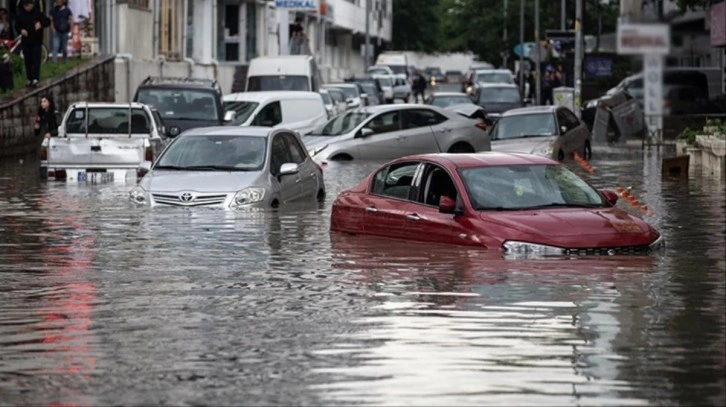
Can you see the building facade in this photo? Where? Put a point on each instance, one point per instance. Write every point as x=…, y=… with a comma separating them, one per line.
x=218, y=38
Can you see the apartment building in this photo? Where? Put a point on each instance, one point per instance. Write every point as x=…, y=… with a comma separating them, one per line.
x=218, y=38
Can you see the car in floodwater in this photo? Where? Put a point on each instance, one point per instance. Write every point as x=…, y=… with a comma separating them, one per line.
x=230, y=167
x=392, y=131
x=549, y=131
x=516, y=203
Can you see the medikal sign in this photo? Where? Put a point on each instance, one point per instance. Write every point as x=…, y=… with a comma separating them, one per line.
x=304, y=5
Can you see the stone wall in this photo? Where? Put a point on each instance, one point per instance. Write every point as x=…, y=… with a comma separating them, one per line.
x=93, y=82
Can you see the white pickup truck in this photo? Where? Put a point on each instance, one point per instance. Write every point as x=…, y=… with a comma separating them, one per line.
x=102, y=142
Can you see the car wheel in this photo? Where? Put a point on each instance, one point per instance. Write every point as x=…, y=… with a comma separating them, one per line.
x=587, y=152
x=460, y=148
x=342, y=157
x=561, y=156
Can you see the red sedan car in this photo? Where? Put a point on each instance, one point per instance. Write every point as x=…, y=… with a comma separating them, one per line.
x=517, y=203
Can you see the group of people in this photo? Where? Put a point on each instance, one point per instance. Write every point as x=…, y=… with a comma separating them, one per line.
x=30, y=23
x=551, y=79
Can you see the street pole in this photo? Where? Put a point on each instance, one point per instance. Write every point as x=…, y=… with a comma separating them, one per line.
x=366, y=53
x=538, y=57
x=578, y=55
x=563, y=11
x=504, y=53
x=521, y=49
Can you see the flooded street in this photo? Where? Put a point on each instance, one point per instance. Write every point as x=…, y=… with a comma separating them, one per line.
x=103, y=303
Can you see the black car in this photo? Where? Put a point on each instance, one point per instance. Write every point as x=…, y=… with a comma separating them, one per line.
x=184, y=103
x=497, y=99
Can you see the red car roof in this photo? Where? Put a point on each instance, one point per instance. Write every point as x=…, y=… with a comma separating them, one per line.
x=483, y=159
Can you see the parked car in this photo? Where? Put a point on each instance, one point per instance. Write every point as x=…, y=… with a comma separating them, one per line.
x=444, y=99
x=283, y=72
x=474, y=112
x=453, y=76
x=102, y=142
x=387, y=84
x=328, y=103
x=497, y=98
x=549, y=131
x=521, y=205
x=352, y=94
x=401, y=89
x=481, y=76
x=435, y=73
x=296, y=110
x=391, y=131
x=372, y=95
x=184, y=103
x=231, y=167
x=339, y=99
x=371, y=81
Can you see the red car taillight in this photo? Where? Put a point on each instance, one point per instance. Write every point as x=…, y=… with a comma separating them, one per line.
x=149, y=156
x=482, y=126
x=43, y=154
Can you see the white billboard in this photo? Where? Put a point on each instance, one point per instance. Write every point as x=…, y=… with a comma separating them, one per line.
x=641, y=39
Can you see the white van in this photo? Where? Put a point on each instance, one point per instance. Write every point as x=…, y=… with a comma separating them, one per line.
x=283, y=73
x=298, y=111
x=397, y=61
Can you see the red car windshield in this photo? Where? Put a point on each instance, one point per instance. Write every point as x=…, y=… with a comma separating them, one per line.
x=521, y=187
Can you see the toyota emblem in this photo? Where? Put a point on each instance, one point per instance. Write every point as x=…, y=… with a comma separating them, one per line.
x=186, y=197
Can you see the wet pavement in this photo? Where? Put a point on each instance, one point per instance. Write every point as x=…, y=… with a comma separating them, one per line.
x=103, y=303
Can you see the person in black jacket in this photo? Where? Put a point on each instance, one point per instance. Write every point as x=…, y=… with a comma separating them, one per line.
x=30, y=23
x=46, y=121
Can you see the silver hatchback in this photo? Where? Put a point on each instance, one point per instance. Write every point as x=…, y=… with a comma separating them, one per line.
x=230, y=167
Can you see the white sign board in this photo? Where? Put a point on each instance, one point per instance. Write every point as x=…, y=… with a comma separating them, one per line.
x=653, y=99
x=641, y=39
x=302, y=5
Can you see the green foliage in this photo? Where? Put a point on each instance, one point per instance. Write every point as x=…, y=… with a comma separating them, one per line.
x=47, y=70
x=685, y=5
x=689, y=135
x=416, y=25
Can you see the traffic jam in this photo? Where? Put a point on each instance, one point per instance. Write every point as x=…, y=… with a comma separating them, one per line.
x=480, y=167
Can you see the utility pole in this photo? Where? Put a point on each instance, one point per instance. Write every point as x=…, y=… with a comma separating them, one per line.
x=521, y=49
x=538, y=56
x=504, y=36
x=366, y=52
x=578, y=55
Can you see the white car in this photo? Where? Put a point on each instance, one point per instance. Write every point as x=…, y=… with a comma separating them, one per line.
x=352, y=95
x=295, y=110
x=387, y=83
x=550, y=131
x=103, y=142
x=392, y=131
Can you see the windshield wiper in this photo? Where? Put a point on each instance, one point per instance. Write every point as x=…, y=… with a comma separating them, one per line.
x=496, y=208
x=563, y=205
x=169, y=167
x=213, y=168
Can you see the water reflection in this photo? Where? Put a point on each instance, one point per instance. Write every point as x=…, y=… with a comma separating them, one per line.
x=101, y=303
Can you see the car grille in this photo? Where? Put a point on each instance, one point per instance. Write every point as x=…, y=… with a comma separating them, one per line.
x=198, y=200
x=609, y=251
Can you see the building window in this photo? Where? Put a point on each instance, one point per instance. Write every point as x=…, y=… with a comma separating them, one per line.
x=171, y=29
x=251, y=35
x=142, y=4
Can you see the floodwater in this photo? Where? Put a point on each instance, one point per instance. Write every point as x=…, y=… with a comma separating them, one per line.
x=102, y=303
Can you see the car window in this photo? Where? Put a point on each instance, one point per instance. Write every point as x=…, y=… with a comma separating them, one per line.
x=240, y=153
x=107, y=120
x=279, y=154
x=395, y=181
x=243, y=110
x=562, y=120
x=188, y=104
x=436, y=183
x=572, y=120
x=421, y=118
x=297, y=154
x=385, y=123
x=269, y=116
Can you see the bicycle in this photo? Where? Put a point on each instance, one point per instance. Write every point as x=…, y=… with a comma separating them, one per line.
x=13, y=47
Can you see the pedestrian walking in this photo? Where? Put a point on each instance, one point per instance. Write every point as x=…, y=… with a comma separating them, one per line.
x=30, y=22
x=419, y=87
x=46, y=120
x=61, y=18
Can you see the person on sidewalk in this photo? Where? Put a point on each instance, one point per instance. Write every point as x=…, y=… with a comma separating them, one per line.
x=30, y=23
x=61, y=18
x=46, y=120
x=6, y=29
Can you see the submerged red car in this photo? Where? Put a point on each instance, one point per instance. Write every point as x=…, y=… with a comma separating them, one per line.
x=517, y=203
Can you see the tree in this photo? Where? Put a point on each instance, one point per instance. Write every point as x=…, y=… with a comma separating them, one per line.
x=416, y=25
x=685, y=5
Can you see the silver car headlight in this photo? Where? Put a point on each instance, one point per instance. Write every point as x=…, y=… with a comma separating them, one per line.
x=659, y=244
x=248, y=196
x=314, y=151
x=514, y=247
x=545, y=151
x=139, y=196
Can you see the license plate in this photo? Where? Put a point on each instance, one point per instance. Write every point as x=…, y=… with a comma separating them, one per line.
x=94, y=177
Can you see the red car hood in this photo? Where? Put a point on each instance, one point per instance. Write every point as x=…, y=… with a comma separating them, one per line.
x=574, y=227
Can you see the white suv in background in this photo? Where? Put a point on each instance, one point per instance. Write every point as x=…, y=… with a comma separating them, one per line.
x=295, y=110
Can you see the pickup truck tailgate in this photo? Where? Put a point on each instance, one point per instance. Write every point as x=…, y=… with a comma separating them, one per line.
x=95, y=152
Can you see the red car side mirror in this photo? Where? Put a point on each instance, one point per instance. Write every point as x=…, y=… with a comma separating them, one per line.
x=610, y=196
x=447, y=205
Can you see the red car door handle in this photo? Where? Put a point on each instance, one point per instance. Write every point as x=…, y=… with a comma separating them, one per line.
x=413, y=217
x=372, y=209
